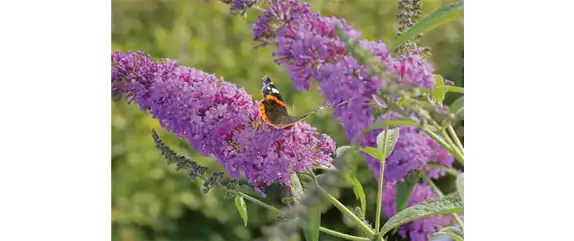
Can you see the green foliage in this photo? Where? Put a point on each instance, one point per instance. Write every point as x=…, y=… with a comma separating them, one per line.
x=460, y=185
x=404, y=190
x=447, y=13
x=241, y=208
x=386, y=141
x=457, y=108
x=311, y=229
x=438, y=93
x=392, y=123
x=358, y=190
x=296, y=188
x=453, y=232
x=150, y=200
x=444, y=205
x=374, y=152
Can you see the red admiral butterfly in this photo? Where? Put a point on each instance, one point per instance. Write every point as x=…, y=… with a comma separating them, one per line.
x=273, y=109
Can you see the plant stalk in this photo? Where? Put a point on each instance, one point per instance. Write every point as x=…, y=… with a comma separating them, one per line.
x=342, y=235
x=381, y=179
x=347, y=212
x=455, y=138
x=322, y=229
x=457, y=155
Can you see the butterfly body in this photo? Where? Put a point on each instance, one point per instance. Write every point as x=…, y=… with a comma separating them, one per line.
x=273, y=109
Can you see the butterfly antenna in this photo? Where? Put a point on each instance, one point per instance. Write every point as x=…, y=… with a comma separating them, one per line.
x=322, y=107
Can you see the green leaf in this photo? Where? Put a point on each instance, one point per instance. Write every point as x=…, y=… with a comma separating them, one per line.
x=460, y=185
x=306, y=177
x=455, y=89
x=444, y=205
x=438, y=94
x=392, y=137
x=405, y=188
x=311, y=229
x=358, y=190
x=374, y=152
x=249, y=191
x=457, y=108
x=241, y=208
x=447, y=13
x=340, y=150
x=452, y=232
x=392, y=123
x=296, y=188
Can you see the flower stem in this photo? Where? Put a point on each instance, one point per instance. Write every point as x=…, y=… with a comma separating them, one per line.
x=455, y=138
x=342, y=235
x=440, y=194
x=448, y=170
x=322, y=229
x=381, y=179
x=379, y=197
x=449, y=140
x=457, y=155
x=260, y=203
x=347, y=212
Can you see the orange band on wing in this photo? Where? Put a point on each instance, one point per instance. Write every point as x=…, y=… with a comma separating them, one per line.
x=262, y=112
x=274, y=99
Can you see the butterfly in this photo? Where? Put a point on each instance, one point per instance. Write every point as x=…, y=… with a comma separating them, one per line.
x=273, y=109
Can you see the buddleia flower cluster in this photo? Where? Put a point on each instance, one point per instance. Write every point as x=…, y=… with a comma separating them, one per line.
x=310, y=50
x=219, y=120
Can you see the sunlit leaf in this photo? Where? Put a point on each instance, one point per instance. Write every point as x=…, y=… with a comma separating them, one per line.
x=374, y=152
x=447, y=13
x=444, y=205
x=460, y=185
x=452, y=232
x=241, y=208
x=389, y=145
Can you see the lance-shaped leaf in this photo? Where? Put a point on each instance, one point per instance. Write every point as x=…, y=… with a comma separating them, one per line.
x=404, y=189
x=457, y=108
x=296, y=188
x=313, y=222
x=241, y=208
x=447, y=13
x=438, y=94
x=452, y=232
x=374, y=152
x=460, y=185
x=392, y=135
x=444, y=205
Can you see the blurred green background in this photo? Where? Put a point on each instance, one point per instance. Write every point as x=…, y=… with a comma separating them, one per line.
x=150, y=200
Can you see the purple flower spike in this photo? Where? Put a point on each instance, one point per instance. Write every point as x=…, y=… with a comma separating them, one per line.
x=417, y=230
x=277, y=14
x=219, y=119
x=239, y=6
x=413, y=69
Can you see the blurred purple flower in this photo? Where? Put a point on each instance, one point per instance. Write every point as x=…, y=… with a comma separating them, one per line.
x=218, y=119
x=277, y=14
x=417, y=230
x=239, y=6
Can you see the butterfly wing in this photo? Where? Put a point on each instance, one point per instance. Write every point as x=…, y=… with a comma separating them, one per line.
x=272, y=108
